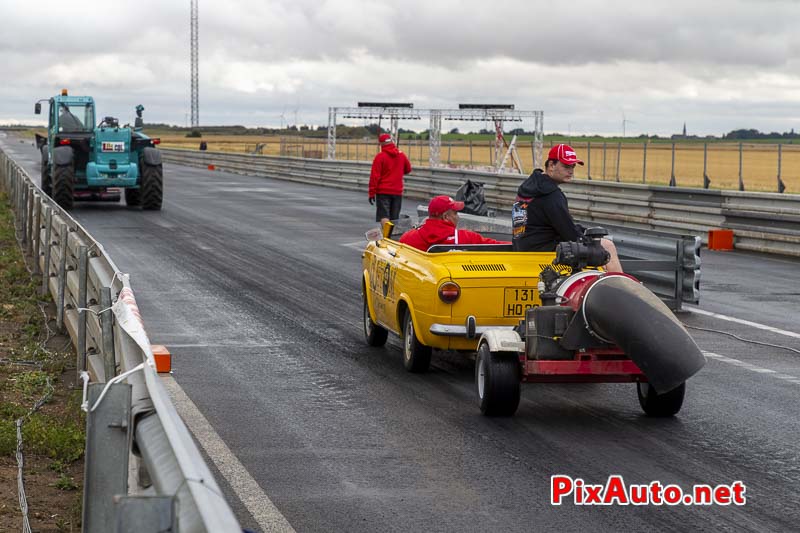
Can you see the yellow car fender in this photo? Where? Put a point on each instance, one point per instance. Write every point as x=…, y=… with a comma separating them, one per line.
x=502, y=340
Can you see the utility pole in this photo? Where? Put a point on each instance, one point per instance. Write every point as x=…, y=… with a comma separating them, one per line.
x=195, y=82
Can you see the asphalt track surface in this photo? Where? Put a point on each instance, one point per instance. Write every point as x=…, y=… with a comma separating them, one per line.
x=253, y=284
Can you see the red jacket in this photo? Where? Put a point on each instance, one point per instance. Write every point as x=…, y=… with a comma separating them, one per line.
x=388, y=169
x=439, y=231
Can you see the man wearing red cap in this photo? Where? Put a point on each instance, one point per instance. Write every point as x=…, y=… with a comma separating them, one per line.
x=440, y=227
x=386, y=180
x=540, y=216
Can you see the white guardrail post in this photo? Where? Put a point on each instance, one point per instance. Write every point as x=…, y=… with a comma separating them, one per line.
x=94, y=306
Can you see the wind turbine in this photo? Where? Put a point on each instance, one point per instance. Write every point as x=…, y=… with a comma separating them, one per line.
x=624, y=122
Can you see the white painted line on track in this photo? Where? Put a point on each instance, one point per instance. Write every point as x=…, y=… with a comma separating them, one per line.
x=246, y=488
x=745, y=322
x=752, y=368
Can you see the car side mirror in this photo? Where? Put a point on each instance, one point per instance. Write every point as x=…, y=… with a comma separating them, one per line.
x=37, y=108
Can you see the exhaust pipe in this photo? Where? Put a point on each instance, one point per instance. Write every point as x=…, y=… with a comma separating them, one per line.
x=622, y=311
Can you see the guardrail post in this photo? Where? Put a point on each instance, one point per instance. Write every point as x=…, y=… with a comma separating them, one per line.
x=62, y=278
x=47, y=246
x=30, y=224
x=619, y=154
x=106, y=323
x=23, y=213
x=83, y=273
x=37, y=222
x=135, y=514
x=107, y=448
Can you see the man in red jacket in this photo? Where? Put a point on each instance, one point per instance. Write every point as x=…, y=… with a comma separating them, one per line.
x=386, y=180
x=440, y=227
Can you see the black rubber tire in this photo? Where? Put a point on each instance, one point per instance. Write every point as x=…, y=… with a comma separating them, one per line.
x=416, y=356
x=47, y=185
x=133, y=197
x=152, y=187
x=660, y=405
x=375, y=334
x=497, y=382
x=63, y=186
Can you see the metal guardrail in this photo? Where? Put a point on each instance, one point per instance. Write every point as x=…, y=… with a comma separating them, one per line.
x=173, y=487
x=762, y=222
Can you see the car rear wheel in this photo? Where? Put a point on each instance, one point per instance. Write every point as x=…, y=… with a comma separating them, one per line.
x=497, y=382
x=63, y=185
x=660, y=405
x=375, y=334
x=416, y=356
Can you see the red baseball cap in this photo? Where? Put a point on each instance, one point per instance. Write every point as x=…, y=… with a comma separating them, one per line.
x=385, y=138
x=441, y=204
x=565, y=154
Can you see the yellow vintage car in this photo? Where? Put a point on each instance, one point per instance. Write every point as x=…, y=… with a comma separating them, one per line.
x=444, y=298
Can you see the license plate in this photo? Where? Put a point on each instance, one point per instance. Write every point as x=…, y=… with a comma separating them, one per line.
x=517, y=300
x=109, y=146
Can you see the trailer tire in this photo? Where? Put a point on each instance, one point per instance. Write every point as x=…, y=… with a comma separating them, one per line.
x=152, y=187
x=660, y=405
x=416, y=356
x=497, y=381
x=63, y=186
x=133, y=197
x=375, y=334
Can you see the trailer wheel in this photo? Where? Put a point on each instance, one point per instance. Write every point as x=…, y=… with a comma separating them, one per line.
x=63, y=185
x=152, y=187
x=375, y=334
x=660, y=405
x=416, y=356
x=497, y=381
x=133, y=197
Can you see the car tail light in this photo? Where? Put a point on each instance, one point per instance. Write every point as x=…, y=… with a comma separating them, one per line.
x=64, y=141
x=449, y=292
x=156, y=141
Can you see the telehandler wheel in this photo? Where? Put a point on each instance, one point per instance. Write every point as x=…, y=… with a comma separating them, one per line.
x=660, y=405
x=133, y=197
x=497, y=381
x=416, y=356
x=375, y=334
x=47, y=185
x=152, y=187
x=63, y=185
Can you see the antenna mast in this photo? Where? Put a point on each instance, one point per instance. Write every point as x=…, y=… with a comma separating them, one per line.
x=195, y=83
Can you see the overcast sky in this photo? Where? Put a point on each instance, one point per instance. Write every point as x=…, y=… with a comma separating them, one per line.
x=715, y=65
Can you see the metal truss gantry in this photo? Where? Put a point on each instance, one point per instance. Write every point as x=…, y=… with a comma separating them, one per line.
x=497, y=116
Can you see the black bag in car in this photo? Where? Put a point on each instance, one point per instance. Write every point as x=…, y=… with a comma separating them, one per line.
x=471, y=193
